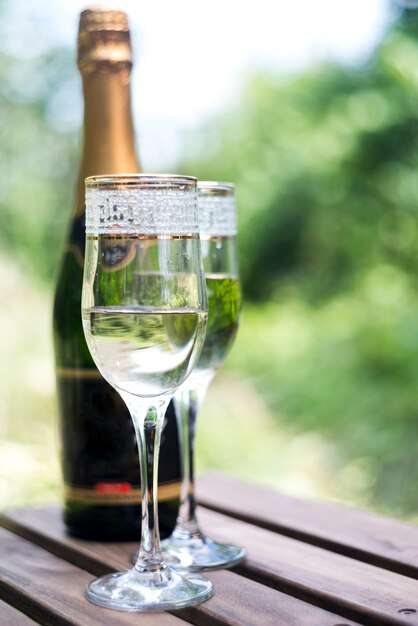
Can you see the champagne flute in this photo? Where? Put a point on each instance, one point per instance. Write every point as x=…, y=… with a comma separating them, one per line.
x=144, y=311
x=188, y=548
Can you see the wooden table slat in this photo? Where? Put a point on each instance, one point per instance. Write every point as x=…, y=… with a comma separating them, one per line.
x=366, y=536
x=51, y=590
x=336, y=582
x=237, y=599
x=242, y=602
x=9, y=616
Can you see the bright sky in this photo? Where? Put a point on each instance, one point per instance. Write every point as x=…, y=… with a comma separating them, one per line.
x=191, y=57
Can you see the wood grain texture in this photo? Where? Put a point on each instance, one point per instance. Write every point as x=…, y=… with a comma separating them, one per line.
x=9, y=616
x=51, y=590
x=238, y=601
x=336, y=582
x=366, y=536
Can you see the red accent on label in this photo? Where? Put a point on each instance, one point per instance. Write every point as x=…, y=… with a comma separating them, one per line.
x=113, y=488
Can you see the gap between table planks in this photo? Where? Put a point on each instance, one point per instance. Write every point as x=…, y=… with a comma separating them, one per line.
x=365, y=536
x=335, y=583
x=237, y=600
x=51, y=590
x=11, y=616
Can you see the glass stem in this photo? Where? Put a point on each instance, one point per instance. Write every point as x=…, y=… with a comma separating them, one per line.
x=148, y=419
x=187, y=401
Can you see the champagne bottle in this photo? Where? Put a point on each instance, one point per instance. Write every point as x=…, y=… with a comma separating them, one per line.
x=98, y=447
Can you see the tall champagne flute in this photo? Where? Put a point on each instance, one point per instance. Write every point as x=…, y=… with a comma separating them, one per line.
x=144, y=312
x=188, y=548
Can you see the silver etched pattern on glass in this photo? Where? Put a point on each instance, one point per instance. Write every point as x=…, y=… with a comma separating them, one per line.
x=144, y=312
x=217, y=210
x=160, y=211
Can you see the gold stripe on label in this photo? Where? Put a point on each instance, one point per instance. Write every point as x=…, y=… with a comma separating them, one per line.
x=79, y=373
x=88, y=495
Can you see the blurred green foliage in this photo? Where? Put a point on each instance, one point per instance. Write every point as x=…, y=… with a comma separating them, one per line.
x=326, y=169
x=37, y=158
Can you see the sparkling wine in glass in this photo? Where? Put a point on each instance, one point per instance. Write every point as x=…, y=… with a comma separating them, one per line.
x=188, y=547
x=144, y=312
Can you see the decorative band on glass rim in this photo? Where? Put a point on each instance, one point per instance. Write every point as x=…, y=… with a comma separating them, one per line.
x=217, y=209
x=141, y=204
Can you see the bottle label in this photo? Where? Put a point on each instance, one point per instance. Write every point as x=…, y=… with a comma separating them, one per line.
x=117, y=493
x=99, y=451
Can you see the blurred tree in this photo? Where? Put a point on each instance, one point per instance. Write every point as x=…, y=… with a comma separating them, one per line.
x=36, y=157
x=326, y=169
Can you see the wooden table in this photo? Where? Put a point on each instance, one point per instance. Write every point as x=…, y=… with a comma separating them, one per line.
x=309, y=564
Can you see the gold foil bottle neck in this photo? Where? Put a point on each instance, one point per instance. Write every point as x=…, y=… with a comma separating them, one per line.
x=97, y=18
x=103, y=40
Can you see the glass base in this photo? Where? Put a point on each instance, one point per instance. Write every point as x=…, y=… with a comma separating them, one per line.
x=160, y=591
x=198, y=553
